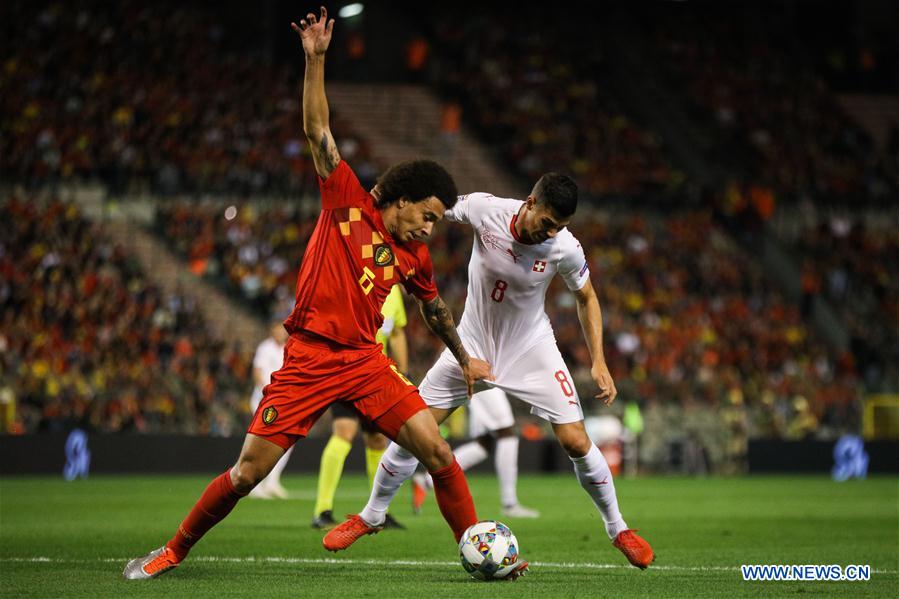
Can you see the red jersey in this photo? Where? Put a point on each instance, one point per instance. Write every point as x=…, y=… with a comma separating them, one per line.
x=350, y=265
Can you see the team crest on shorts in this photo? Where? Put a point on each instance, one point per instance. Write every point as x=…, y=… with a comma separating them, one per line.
x=269, y=415
x=383, y=255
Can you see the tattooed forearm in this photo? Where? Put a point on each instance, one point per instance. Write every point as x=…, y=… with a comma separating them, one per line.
x=327, y=152
x=440, y=320
x=316, y=117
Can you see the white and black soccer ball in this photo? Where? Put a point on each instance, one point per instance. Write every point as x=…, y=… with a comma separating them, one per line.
x=488, y=550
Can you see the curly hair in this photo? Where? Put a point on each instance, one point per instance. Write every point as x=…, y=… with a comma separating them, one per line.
x=416, y=180
x=557, y=191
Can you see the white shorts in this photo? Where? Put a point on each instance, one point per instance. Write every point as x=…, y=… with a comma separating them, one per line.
x=489, y=411
x=539, y=378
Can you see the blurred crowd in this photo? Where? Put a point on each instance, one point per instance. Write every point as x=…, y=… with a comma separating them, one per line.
x=761, y=85
x=855, y=268
x=538, y=94
x=162, y=96
x=700, y=337
x=86, y=340
x=255, y=251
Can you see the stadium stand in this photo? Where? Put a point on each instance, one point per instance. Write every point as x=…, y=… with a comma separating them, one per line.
x=127, y=94
x=88, y=341
x=747, y=73
x=694, y=325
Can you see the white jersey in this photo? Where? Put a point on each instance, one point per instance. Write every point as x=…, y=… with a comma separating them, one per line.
x=507, y=280
x=269, y=358
x=504, y=321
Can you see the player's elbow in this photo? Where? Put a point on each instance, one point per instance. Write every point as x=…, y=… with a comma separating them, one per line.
x=585, y=295
x=313, y=134
x=314, y=127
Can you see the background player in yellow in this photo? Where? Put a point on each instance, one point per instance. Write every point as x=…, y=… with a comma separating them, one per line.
x=346, y=422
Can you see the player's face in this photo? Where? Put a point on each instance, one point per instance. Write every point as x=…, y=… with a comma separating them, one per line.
x=539, y=223
x=416, y=220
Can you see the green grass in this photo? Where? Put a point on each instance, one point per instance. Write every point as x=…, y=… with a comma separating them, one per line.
x=701, y=529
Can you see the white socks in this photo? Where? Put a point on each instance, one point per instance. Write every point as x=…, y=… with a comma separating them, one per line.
x=506, y=460
x=594, y=475
x=470, y=454
x=396, y=466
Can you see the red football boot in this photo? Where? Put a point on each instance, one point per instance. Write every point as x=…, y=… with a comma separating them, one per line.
x=635, y=548
x=348, y=532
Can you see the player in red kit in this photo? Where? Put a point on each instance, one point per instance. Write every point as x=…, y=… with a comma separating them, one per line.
x=363, y=244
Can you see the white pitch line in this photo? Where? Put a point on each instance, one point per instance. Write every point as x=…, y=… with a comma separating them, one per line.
x=394, y=563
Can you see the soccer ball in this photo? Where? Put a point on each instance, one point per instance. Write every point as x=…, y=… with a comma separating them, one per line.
x=488, y=550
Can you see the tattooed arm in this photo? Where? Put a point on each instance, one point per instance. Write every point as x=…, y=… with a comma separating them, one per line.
x=315, y=33
x=440, y=320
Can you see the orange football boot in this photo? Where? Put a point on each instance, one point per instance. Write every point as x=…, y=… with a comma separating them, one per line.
x=635, y=548
x=348, y=532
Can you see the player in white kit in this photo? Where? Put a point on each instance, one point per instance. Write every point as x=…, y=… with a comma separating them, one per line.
x=518, y=248
x=268, y=358
x=490, y=423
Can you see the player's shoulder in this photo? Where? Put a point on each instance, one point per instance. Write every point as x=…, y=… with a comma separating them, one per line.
x=567, y=243
x=485, y=200
x=344, y=182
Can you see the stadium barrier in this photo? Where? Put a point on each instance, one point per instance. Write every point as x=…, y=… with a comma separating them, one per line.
x=167, y=454
x=774, y=456
x=50, y=454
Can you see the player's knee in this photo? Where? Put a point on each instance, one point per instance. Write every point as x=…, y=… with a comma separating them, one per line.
x=245, y=475
x=376, y=441
x=575, y=445
x=345, y=428
x=438, y=455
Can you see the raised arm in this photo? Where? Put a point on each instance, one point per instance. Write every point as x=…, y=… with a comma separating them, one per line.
x=590, y=315
x=440, y=320
x=315, y=33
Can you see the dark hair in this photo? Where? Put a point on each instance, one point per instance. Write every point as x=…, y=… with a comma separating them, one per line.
x=416, y=180
x=557, y=191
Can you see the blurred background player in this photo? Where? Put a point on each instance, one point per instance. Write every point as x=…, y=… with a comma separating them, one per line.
x=346, y=424
x=490, y=424
x=518, y=249
x=268, y=358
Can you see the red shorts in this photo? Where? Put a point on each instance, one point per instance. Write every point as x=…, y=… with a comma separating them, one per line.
x=317, y=373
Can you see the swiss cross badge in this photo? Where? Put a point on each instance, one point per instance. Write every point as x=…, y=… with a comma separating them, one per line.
x=539, y=265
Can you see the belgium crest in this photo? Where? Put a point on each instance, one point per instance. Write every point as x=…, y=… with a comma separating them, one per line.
x=383, y=255
x=269, y=415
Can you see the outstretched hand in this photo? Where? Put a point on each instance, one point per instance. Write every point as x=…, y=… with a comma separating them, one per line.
x=315, y=32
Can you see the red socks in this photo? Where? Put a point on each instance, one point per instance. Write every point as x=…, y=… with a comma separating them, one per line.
x=454, y=498
x=220, y=497
x=214, y=504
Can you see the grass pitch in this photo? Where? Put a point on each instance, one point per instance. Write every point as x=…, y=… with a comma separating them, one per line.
x=61, y=539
